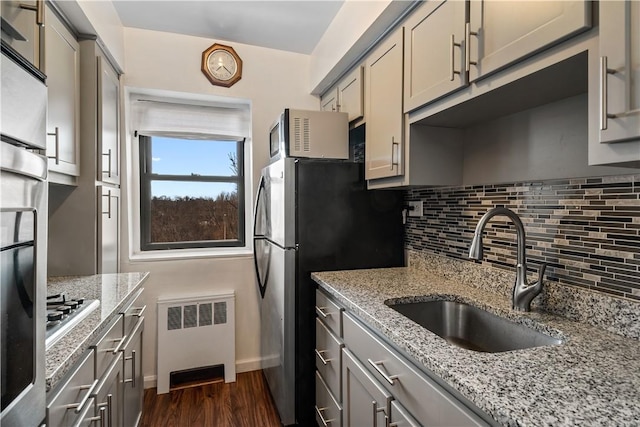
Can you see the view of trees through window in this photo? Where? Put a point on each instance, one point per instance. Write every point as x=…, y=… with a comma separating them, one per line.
x=191, y=193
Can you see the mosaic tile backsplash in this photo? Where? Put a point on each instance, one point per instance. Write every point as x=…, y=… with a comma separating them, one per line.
x=587, y=230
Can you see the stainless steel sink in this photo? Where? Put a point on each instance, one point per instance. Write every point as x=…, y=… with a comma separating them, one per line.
x=472, y=328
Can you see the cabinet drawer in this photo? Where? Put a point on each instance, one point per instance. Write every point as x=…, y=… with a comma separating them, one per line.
x=328, y=411
x=109, y=346
x=72, y=397
x=329, y=312
x=328, y=358
x=429, y=403
x=132, y=313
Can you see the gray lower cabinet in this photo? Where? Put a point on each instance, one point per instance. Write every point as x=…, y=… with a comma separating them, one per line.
x=366, y=402
x=108, y=398
x=133, y=382
x=72, y=402
x=328, y=411
x=400, y=417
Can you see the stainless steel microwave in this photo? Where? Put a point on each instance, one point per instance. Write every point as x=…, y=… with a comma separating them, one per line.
x=313, y=134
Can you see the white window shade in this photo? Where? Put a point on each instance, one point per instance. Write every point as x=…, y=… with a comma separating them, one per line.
x=151, y=117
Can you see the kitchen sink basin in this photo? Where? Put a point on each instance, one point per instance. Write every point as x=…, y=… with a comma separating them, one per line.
x=472, y=328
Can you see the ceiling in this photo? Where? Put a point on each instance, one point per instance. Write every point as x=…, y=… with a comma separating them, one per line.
x=291, y=25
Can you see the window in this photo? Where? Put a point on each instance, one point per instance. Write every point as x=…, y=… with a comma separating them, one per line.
x=191, y=192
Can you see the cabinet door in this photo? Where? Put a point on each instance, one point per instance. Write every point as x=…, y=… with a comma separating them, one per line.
x=20, y=28
x=108, y=229
x=384, y=130
x=108, y=395
x=501, y=32
x=329, y=101
x=400, y=417
x=133, y=380
x=62, y=67
x=434, y=52
x=350, y=94
x=108, y=123
x=619, y=71
x=365, y=401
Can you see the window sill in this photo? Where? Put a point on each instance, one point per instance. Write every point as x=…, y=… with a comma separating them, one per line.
x=168, y=255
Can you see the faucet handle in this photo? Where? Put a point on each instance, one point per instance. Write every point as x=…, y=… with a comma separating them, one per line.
x=541, y=270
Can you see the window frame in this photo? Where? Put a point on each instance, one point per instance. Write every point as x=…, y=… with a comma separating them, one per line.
x=146, y=178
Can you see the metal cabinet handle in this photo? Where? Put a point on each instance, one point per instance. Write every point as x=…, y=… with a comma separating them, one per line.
x=103, y=415
x=467, y=46
x=38, y=8
x=133, y=369
x=56, y=134
x=376, y=365
x=604, y=93
x=393, y=150
x=77, y=407
x=321, y=312
x=141, y=310
x=108, y=171
x=320, y=353
x=325, y=422
x=453, y=45
x=110, y=409
x=108, y=196
x=80, y=421
x=118, y=348
x=375, y=412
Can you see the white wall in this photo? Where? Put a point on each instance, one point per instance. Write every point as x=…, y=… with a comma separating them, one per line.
x=271, y=80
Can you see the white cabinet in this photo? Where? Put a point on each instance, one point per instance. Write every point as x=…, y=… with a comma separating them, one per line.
x=366, y=401
x=62, y=67
x=347, y=96
x=383, y=109
x=619, y=71
x=108, y=229
x=434, y=52
x=502, y=32
x=108, y=122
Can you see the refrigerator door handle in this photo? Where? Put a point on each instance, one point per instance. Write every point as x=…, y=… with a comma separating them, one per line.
x=262, y=280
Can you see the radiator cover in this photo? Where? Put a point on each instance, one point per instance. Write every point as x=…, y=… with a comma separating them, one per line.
x=195, y=331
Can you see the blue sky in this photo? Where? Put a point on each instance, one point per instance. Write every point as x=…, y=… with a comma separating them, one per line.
x=184, y=157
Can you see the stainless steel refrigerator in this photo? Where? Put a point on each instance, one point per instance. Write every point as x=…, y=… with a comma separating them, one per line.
x=312, y=215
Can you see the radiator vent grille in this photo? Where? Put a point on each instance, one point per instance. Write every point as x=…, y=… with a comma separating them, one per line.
x=196, y=315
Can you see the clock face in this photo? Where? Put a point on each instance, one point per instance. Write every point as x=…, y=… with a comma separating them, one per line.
x=222, y=65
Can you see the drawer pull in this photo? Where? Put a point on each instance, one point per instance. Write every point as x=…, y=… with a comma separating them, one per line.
x=375, y=412
x=77, y=407
x=118, y=348
x=133, y=369
x=140, y=311
x=82, y=421
x=376, y=365
x=325, y=423
x=321, y=311
x=320, y=353
x=109, y=405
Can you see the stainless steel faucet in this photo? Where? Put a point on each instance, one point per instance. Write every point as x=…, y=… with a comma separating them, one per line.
x=523, y=292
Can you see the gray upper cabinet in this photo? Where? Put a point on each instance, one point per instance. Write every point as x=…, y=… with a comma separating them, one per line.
x=434, y=47
x=62, y=67
x=108, y=123
x=383, y=109
x=347, y=96
x=21, y=23
x=351, y=94
x=502, y=32
x=329, y=101
x=108, y=229
x=619, y=71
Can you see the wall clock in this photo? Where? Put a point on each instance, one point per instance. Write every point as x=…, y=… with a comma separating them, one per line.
x=222, y=65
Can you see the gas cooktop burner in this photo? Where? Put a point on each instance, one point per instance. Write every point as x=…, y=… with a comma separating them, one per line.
x=63, y=314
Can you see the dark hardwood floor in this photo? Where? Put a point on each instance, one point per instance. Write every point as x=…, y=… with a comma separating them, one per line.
x=245, y=403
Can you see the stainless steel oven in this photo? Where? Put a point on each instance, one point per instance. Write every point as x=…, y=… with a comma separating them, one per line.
x=23, y=252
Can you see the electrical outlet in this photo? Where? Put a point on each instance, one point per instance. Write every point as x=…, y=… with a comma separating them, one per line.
x=417, y=208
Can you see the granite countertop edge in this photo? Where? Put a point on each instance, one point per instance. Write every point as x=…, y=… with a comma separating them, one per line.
x=64, y=354
x=578, y=382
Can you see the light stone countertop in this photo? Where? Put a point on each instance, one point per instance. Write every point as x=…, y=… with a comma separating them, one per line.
x=112, y=291
x=593, y=378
